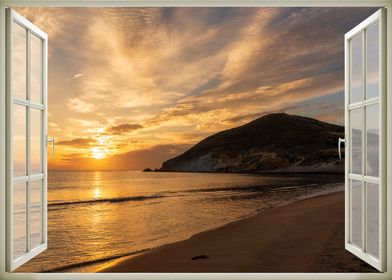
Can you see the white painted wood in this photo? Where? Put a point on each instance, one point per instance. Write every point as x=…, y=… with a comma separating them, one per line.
x=383, y=139
x=367, y=102
x=347, y=188
x=28, y=143
x=364, y=256
x=367, y=179
x=380, y=264
x=9, y=171
x=187, y=3
x=2, y=143
x=12, y=263
x=374, y=18
x=44, y=194
x=196, y=3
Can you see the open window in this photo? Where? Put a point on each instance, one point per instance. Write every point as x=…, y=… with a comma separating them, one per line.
x=365, y=119
x=27, y=140
x=26, y=157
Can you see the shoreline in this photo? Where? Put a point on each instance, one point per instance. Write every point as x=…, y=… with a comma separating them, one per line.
x=96, y=264
x=272, y=172
x=277, y=239
x=99, y=264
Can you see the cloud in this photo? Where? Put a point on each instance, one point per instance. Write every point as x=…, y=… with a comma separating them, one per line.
x=77, y=142
x=71, y=157
x=78, y=105
x=284, y=57
x=209, y=112
x=185, y=73
x=76, y=76
x=123, y=128
x=133, y=160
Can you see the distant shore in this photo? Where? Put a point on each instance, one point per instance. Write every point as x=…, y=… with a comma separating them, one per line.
x=272, y=172
x=304, y=236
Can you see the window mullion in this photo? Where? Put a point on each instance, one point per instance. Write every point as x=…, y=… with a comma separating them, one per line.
x=363, y=167
x=28, y=141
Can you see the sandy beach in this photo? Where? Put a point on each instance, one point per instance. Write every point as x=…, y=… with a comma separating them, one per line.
x=304, y=236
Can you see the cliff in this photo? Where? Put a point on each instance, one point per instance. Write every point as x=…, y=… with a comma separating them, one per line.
x=275, y=142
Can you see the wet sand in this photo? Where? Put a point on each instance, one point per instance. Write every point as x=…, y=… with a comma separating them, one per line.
x=304, y=236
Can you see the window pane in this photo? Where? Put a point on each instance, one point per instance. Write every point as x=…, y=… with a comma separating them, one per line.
x=35, y=144
x=372, y=61
x=19, y=219
x=372, y=140
x=356, y=69
x=19, y=61
x=372, y=218
x=35, y=213
x=356, y=213
x=19, y=140
x=36, y=69
x=356, y=140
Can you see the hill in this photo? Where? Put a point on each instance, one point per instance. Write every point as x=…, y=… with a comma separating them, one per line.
x=275, y=142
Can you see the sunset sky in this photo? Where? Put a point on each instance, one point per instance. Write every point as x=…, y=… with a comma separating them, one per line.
x=132, y=87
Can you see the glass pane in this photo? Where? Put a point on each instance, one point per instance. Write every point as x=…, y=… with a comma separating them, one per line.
x=36, y=69
x=35, y=213
x=356, y=140
x=372, y=61
x=35, y=144
x=19, y=219
x=356, y=69
x=372, y=140
x=372, y=219
x=19, y=61
x=356, y=213
x=19, y=140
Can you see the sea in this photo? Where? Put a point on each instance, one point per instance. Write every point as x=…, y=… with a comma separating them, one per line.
x=98, y=216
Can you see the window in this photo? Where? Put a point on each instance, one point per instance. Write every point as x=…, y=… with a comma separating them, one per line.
x=26, y=126
x=25, y=139
x=365, y=112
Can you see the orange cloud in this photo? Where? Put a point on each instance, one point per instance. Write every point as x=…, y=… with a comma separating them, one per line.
x=123, y=128
x=131, y=79
x=77, y=142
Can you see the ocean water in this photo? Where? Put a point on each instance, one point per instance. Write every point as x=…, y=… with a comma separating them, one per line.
x=95, y=216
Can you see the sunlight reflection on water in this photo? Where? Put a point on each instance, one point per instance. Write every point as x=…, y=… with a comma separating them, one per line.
x=95, y=215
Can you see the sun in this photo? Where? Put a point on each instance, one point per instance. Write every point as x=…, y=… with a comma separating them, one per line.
x=97, y=193
x=98, y=153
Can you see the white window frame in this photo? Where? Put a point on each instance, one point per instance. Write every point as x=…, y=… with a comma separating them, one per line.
x=193, y=3
x=379, y=263
x=13, y=17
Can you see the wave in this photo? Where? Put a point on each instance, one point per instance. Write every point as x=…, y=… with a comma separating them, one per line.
x=106, y=200
x=86, y=263
x=265, y=188
x=250, y=188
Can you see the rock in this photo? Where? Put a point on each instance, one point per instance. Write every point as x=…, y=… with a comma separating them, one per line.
x=195, y=258
x=275, y=142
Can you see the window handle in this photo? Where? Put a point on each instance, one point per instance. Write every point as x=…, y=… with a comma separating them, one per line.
x=51, y=140
x=340, y=141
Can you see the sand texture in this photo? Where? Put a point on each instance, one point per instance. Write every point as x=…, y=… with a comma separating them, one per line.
x=304, y=236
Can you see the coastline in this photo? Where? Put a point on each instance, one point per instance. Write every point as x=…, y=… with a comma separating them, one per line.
x=277, y=172
x=280, y=239
x=125, y=240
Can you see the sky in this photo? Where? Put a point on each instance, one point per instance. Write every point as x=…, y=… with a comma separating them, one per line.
x=132, y=87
